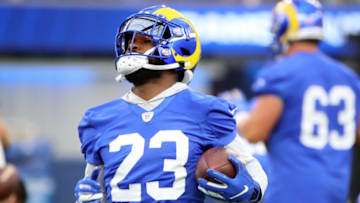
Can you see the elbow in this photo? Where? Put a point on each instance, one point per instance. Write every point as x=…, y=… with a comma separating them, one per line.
x=252, y=134
x=254, y=137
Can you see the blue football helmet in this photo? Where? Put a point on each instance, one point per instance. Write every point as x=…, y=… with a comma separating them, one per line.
x=176, y=44
x=295, y=20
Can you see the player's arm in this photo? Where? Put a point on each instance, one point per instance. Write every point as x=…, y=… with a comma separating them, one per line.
x=4, y=138
x=258, y=125
x=240, y=149
x=90, y=189
x=358, y=133
x=248, y=185
x=250, y=181
x=4, y=143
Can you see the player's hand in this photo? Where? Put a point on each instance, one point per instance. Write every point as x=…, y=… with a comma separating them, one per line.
x=88, y=189
x=242, y=188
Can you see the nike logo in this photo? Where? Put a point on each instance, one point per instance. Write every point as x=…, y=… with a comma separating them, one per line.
x=233, y=111
x=246, y=188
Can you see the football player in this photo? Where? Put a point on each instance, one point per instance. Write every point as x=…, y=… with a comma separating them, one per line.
x=18, y=193
x=4, y=143
x=147, y=143
x=307, y=111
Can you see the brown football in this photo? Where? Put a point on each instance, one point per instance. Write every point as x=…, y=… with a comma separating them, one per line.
x=216, y=158
x=9, y=179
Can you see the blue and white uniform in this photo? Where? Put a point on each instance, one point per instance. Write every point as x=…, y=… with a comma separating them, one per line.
x=149, y=149
x=310, y=148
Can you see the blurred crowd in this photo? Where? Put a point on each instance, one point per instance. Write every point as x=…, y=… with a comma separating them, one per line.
x=105, y=2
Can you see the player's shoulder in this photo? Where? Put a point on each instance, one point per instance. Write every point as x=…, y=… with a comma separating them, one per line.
x=275, y=69
x=203, y=106
x=105, y=110
x=295, y=64
x=279, y=74
x=203, y=101
x=272, y=72
x=347, y=71
x=197, y=97
x=340, y=69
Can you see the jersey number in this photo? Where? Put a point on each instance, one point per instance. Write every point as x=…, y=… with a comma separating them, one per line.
x=312, y=117
x=137, y=150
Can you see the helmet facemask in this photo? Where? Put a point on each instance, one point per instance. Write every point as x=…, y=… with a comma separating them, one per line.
x=128, y=60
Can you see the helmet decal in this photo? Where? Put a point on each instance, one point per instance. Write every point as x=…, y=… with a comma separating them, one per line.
x=169, y=13
x=293, y=25
x=192, y=59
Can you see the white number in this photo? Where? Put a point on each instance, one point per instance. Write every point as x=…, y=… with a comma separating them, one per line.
x=311, y=118
x=137, y=150
x=171, y=165
x=346, y=118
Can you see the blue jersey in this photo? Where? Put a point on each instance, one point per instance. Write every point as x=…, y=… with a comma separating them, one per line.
x=310, y=148
x=151, y=156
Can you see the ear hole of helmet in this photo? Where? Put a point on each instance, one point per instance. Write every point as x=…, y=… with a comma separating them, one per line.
x=185, y=52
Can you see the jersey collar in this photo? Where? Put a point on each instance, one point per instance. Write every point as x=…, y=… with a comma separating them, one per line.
x=133, y=98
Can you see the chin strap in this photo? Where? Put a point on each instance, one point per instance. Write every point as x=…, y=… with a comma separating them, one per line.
x=188, y=76
x=126, y=65
x=133, y=63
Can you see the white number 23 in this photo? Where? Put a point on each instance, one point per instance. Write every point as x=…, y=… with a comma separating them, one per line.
x=152, y=188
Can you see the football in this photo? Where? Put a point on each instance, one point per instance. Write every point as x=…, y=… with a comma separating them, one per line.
x=9, y=179
x=216, y=158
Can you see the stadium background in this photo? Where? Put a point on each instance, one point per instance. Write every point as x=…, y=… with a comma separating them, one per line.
x=56, y=60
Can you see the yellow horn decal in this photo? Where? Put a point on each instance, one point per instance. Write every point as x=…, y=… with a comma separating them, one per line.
x=171, y=14
x=293, y=24
x=193, y=59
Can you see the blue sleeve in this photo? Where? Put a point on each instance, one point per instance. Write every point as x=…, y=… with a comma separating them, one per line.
x=88, y=137
x=220, y=123
x=270, y=81
x=358, y=100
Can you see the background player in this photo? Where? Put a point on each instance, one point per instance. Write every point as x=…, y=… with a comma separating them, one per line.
x=4, y=143
x=17, y=194
x=307, y=111
x=149, y=141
